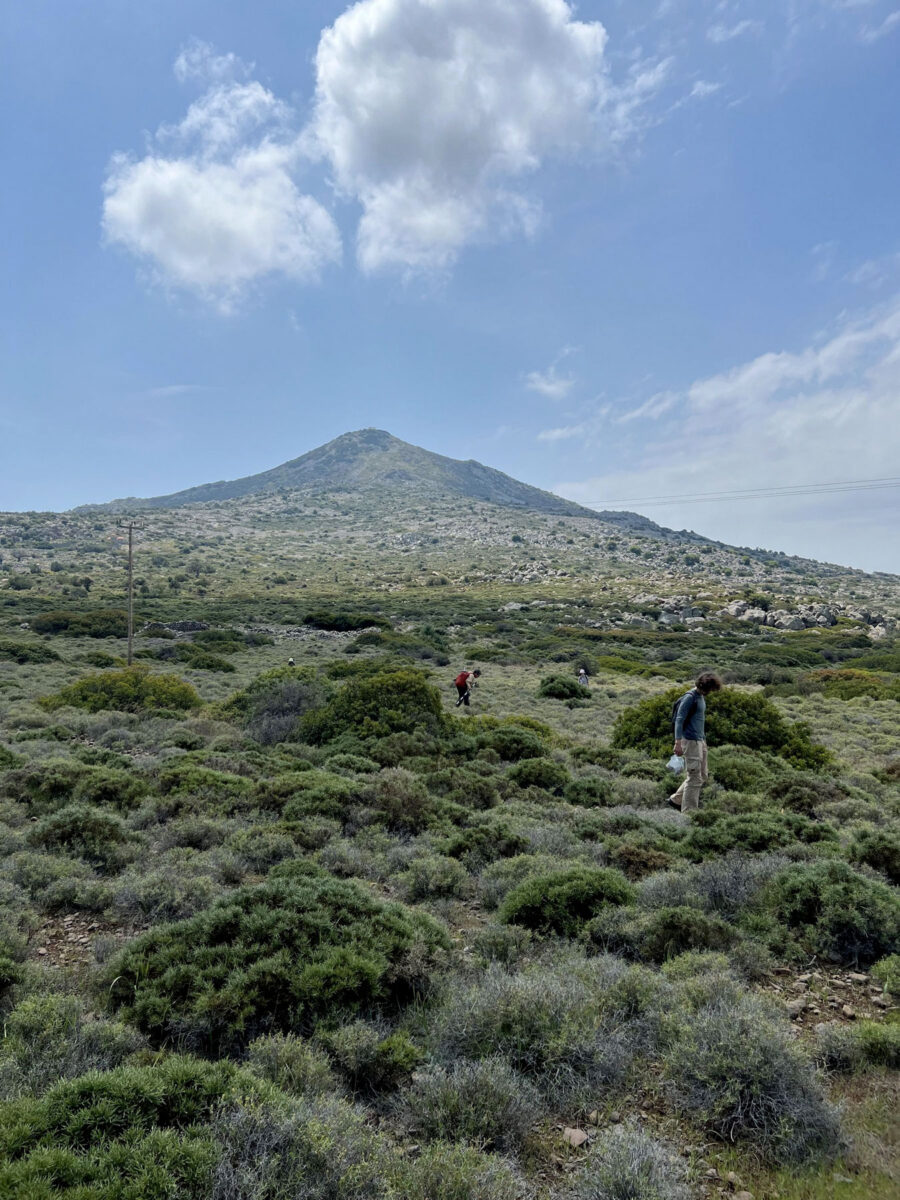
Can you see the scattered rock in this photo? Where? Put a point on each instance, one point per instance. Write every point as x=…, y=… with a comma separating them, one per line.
x=575, y=1137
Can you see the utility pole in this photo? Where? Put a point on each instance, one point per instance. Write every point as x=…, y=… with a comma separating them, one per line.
x=130, y=526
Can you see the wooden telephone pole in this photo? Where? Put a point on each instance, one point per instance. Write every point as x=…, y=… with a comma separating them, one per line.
x=131, y=526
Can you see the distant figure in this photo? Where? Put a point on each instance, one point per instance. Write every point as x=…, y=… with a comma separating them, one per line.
x=583, y=677
x=690, y=741
x=462, y=686
x=290, y=662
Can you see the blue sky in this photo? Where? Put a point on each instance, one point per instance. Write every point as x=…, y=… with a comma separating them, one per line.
x=624, y=251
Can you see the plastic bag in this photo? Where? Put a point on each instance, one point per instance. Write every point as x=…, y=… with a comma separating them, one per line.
x=675, y=764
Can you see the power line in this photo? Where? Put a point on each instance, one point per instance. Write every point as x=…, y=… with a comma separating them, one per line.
x=785, y=492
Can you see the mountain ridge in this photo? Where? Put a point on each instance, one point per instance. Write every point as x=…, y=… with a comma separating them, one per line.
x=373, y=458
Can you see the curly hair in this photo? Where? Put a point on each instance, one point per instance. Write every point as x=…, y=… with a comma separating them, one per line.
x=708, y=682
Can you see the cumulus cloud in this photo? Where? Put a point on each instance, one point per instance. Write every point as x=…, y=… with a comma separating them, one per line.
x=214, y=205
x=826, y=412
x=430, y=111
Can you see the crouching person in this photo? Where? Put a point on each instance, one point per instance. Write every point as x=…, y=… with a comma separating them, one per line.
x=690, y=741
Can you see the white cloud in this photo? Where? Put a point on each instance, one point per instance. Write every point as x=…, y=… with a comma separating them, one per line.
x=214, y=206
x=727, y=33
x=703, y=89
x=827, y=412
x=429, y=111
x=561, y=434
x=200, y=60
x=874, y=33
x=550, y=383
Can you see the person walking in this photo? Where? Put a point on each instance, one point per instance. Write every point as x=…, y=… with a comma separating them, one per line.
x=690, y=741
x=583, y=677
x=462, y=686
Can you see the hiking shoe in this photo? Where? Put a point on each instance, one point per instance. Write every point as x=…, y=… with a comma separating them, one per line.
x=675, y=802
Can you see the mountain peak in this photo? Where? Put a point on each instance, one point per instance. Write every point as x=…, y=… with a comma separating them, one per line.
x=373, y=459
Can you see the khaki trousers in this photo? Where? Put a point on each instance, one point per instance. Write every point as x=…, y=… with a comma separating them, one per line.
x=695, y=775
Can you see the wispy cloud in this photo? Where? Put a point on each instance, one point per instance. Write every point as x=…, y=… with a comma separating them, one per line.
x=719, y=34
x=874, y=33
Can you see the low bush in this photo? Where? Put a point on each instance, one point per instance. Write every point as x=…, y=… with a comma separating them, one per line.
x=448, y=1172
x=343, y=622
x=315, y=1148
x=49, y=1038
x=513, y=742
x=713, y=833
x=179, y=884
x=562, y=687
x=293, y=1064
x=544, y=1020
x=539, y=772
x=878, y=849
x=145, y=1125
x=562, y=902
x=276, y=957
x=626, y=1163
x=835, y=911
x=487, y=1104
x=854, y=1047
x=734, y=1069
x=100, y=838
x=733, y=718
x=726, y=886
x=98, y=623
x=659, y=935
x=590, y=791
x=433, y=876
x=132, y=690
x=25, y=653
x=271, y=707
x=478, y=845
x=402, y=800
x=54, y=881
x=376, y=706
x=109, y=787
x=804, y=794
x=369, y=1058
x=887, y=972
x=45, y=785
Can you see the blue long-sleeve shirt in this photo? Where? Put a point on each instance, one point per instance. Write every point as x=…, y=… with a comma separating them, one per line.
x=690, y=717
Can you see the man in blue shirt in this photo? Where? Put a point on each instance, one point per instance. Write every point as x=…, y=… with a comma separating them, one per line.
x=690, y=740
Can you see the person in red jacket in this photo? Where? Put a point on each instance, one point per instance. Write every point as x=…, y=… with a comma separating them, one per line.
x=462, y=686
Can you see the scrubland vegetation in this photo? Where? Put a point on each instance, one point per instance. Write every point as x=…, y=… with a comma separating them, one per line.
x=308, y=931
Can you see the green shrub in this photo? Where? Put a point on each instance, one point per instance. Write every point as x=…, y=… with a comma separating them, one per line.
x=131, y=690
x=733, y=718
x=855, y=1047
x=343, y=622
x=627, y=1164
x=480, y=844
x=434, y=875
x=848, y=683
x=513, y=742
x=487, y=1104
x=56, y=882
x=804, y=794
x=590, y=791
x=879, y=849
x=313, y=793
x=8, y=759
x=376, y=706
x=447, y=1172
x=713, y=833
x=100, y=838
x=741, y=770
x=544, y=1020
x=369, y=1059
x=887, y=972
x=733, y=1068
x=45, y=785
x=539, y=772
x=292, y=1064
x=402, y=799
x=108, y=787
x=836, y=911
x=469, y=786
x=562, y=687
x=279, y=956
x=562, y=902
x=49, y=1038
x=315, y=1148
x=271, y=707
x=176, y=885
x=672, y=931
x=144, y=1125
x=99, y=623
x=26, y=652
